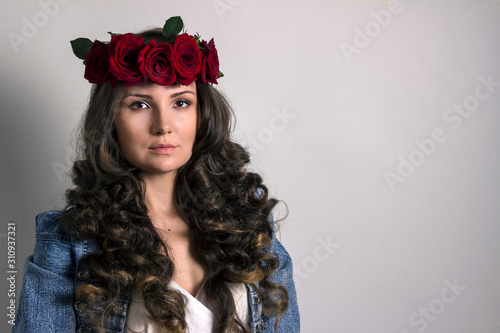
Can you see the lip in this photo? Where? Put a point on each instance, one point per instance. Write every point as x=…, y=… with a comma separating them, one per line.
x=163, y=148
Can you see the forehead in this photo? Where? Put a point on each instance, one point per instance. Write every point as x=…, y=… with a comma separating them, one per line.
x=158, y=90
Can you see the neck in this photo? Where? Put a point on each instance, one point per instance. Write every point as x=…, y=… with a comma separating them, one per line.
x=159, y=198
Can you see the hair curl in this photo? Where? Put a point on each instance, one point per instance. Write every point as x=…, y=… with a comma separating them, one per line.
x=226, y=207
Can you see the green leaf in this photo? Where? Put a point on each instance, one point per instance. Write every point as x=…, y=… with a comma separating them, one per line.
x=172, y=28
x=81, y=47
x=221, y=74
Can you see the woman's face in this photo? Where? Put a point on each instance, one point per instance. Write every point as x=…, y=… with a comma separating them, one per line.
x=156, y=126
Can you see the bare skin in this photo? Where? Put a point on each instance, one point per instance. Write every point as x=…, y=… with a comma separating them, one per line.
x=189, y=274
x=156, y=128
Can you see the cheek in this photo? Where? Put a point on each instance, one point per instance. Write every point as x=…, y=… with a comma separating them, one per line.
x=191, y=132
x=186, y=126
x=193, y=125
x=129, y=125
x=120, y=134
x=126, y=135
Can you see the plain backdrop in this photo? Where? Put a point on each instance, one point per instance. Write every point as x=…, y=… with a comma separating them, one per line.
x=377, y=123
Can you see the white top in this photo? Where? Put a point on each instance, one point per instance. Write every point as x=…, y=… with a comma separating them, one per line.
x=199, y=317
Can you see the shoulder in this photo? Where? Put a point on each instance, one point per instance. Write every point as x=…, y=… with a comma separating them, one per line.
x=277, y=247
x=284, y=273
x=290, y=320
x=55, y=249
x=47, y=295
x=48, y=227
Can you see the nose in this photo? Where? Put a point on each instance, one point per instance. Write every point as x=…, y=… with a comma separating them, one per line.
x=161, y=122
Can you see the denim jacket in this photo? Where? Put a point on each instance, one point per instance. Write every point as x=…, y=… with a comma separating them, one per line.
x=47, y=301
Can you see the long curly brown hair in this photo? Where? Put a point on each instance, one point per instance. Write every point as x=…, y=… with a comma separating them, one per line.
x=226, y=207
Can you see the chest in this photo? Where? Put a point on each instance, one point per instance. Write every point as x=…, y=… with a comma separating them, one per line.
x=120, y=308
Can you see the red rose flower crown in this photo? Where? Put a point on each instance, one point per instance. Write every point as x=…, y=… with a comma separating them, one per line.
x=129, y=59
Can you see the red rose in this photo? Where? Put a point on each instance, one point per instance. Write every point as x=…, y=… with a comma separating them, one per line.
x=123, y=64
x=97, y=63
x=156, y=63
x=210, y=66
x=187, y=59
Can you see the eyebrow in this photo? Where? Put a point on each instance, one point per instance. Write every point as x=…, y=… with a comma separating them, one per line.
x=183, y=92
x=150, y=97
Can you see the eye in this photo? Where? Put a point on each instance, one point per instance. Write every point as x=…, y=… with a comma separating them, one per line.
x=182, y=103
x=138, y=105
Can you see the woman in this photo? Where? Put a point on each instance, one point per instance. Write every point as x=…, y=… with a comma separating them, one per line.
x=165, y=230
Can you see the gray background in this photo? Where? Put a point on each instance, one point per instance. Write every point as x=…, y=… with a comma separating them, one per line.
x=326, y=129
